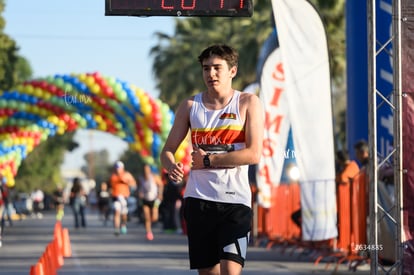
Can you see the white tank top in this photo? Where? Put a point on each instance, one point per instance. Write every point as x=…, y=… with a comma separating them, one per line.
x=218, y=131
x=149, y=188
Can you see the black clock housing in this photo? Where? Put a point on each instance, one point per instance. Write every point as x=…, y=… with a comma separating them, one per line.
x=217, y=8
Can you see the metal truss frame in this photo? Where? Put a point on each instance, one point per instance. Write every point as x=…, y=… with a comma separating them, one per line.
x=376, y=99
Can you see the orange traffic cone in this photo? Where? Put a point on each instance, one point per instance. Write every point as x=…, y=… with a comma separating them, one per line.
x=42, y=260
x=66, y=247
x=46, y=260
x=57, y=251
x=37, y=269
x=57, y=234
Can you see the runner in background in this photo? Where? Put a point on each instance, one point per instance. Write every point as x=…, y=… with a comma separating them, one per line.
x=150, y=193
x=121, y=183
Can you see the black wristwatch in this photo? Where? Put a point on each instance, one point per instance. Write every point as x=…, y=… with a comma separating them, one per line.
x=206, y=161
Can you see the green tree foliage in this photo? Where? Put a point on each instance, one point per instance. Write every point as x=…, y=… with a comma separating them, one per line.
x=333, y=16
x=23, y=69
x=41, y=168
x=13, y=67
x=8, y=55
x=97, y=165
x=134, y=163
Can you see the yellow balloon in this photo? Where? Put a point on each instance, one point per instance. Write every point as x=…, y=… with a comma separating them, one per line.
x=17, y=141
x=146, y=109
x=37, y=92
x=53, y=119
x=46, y=95
x=29, y=141
x=98, y=118
x=10, y=182
x=139, y=93
x=82, y=77
x=179, y=154
x=28, y=89
x=102, y=126
x=137, y=146
x=8, y=173
x=95, y=89
x=89, y=81
x=148, y=140
x=29, y=147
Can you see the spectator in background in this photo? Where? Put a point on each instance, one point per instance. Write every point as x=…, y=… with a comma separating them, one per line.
x=37, y=197
x=104, y=202
x=93, y=199
x=8, y=204
x=78, y=203
x=385, y=172
x=171, y=205
x=1, y=214
x=59, y=202
x=347, y=171
x=362, y=153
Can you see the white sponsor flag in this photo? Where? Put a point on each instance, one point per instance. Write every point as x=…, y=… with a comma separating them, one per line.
x=305, y=58
x=275, y=103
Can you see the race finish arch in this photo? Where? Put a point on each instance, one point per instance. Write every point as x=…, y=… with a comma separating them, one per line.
x=41, y=108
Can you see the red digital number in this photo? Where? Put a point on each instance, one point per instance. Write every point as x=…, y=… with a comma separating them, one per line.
x=230, y=8
x=191, y=7
x=165, y=7
x=221, y=4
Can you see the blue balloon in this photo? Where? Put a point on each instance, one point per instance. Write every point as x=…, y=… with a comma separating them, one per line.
x=156, y=144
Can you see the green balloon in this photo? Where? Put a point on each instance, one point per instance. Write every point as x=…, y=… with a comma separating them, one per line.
x=59, y=82
x=122, y=96
x=3, y=103
x=68, y=88
x=13, y=104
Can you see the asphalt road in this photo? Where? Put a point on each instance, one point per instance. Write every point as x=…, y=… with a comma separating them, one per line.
x=96, y=250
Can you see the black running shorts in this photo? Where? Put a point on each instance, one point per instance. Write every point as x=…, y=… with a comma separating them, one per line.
x=216, y=231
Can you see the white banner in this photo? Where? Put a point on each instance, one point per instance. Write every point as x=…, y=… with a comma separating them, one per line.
x=305, y=58
x=275, y=103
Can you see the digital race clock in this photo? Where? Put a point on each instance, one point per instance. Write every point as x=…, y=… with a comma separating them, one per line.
x=229, y=8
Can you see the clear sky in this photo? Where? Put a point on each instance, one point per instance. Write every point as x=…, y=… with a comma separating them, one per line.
x=75, y=36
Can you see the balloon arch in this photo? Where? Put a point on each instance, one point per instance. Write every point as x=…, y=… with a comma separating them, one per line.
x=44, y=107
